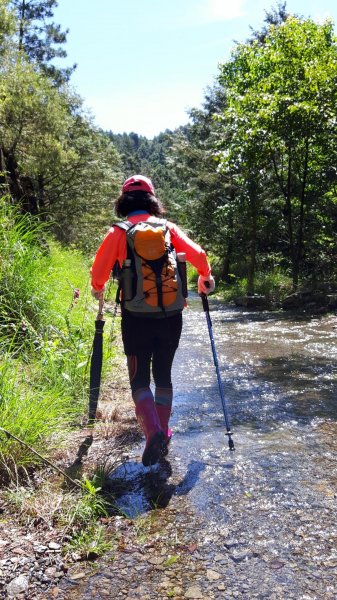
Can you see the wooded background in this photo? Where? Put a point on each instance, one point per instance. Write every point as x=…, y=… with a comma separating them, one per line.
x=252, y=177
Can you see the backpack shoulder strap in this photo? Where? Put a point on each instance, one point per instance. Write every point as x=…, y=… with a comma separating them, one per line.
x=125, y=225
x=159, y=221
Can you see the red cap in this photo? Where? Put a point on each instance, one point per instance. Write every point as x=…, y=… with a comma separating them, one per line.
x=138, y=183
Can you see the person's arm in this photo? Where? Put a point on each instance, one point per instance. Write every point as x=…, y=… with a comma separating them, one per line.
x=105, y=259
x=196, y=256
x=194, y=253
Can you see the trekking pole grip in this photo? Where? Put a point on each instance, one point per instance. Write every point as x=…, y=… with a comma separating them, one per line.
x=100, y=308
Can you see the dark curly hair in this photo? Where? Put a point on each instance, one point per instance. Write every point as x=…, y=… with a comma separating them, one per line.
x=127, y=203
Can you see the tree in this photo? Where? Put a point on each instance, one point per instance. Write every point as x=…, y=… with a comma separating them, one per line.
x=208, y=194
x=281, y=110
x=80, y=184
x=40, y=39
x=33, y=117
x=275, y=17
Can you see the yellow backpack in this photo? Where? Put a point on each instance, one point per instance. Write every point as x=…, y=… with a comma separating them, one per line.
x=150, y=281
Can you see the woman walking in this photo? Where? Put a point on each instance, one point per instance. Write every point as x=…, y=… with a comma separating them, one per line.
x=146, y=246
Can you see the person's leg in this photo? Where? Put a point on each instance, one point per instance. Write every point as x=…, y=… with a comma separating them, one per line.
x=138, y=346
x=166, y=344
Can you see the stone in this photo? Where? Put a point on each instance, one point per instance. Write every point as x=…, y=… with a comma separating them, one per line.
x=277, y=564
x=17, y=586
x=254, y=301
x=194, y=593
x=40, y=549
x=218, y=558
x=54, y=546
x=156, y=560
x=212, y=575
x=76, y=576
x=239, y=556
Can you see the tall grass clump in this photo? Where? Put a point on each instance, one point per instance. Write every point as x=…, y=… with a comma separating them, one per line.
x=46, y=335
x=23, y=269
x=30, y=414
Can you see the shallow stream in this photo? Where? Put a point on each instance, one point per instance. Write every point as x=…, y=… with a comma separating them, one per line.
x=259, y=522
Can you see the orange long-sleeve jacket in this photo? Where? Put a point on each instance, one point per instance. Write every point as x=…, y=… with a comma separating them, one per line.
x=113, y=248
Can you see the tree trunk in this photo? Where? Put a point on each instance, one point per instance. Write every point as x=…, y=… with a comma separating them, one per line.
x=3, y=178
x=22, y=24
x=287, y=212
x=253, y=238
x=12, y=175
x=21, y=189
x=41, y=197
x=300, y=230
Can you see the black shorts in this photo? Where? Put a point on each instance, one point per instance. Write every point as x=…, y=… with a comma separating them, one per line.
x=143, y=333
x=151, y=340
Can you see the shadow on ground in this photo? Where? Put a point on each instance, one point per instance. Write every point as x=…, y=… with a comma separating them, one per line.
x=137, y=489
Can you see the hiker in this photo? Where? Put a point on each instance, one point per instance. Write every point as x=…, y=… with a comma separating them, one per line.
x=152, y=300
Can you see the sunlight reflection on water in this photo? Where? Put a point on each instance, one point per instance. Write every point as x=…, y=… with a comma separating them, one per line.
x=280, y=382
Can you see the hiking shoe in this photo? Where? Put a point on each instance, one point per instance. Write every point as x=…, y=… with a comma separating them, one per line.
x=154, y=449
x=168, y=438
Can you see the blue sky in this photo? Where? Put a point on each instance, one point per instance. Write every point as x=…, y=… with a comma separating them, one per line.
x=143, y=63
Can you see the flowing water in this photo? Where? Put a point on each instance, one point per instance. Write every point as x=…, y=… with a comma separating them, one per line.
x=259, y=522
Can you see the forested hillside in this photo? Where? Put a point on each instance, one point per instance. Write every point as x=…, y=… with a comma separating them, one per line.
x=154, y=158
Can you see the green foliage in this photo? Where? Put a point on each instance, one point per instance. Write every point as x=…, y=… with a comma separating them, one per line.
x=33, y=112
x=279, y=117
x=79, y=189
x=88, y=538
x=89, y=543
x=7, y=26
x=45, y=335
x=22, y=276
x=274, y=285
x=33, y=413
x=257, y=159
x=54, y=161
x=88, y=508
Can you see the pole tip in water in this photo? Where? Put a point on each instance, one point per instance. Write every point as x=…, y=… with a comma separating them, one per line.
x=230, y=441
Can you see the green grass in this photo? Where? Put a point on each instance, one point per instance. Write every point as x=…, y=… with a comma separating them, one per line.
x=89, y=543
x=45, y=338
x=274, y=285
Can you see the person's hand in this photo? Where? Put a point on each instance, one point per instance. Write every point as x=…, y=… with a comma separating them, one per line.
x=206, y=285
x=97, y=295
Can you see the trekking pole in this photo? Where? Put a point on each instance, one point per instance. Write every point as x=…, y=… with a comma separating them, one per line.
x=216, y=364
